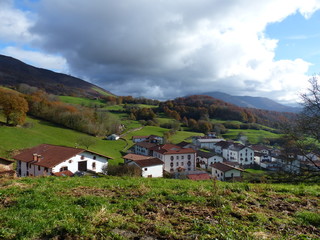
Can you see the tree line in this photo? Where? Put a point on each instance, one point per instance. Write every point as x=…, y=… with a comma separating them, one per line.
x=38, y=103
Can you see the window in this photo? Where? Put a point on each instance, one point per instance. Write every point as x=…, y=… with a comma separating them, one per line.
x=182, y=157
x=182, y=163
x=171, y=170
x=177, y=164
x=70, y=161
x=171, y=158
x=145, y=169
x=189, y=156
x=93, y=165
x=39, y=168
x=189, y=163
x=46, y=169
x=177, y=157
x=171, y=164
x=63, y=169
x=94, y=157
x=82, y=157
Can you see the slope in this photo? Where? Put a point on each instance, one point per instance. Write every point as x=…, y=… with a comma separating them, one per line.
x=14, y=72
x=252, y=102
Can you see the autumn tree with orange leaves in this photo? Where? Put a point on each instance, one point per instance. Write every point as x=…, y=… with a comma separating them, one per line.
x=13, y=106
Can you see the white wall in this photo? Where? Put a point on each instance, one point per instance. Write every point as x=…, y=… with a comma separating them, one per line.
x=179, y=160
x=153, y=171
x=71, y=164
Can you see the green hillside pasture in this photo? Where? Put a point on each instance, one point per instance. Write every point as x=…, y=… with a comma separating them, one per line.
x=81, y=101
x=253, y=135
x=14, y=138
x=102, y=92
x=151, y=130
x=183, y=136
x=137, y=208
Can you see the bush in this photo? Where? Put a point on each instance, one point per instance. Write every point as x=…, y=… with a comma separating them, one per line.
x=123, y=170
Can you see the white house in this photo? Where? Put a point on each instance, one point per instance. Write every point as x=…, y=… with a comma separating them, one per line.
x=46, y=159
x=113, y=137
x=239, y=153
x=206, y=143
x=143, y=148
x=150, y=138
x=206, y=159
x=224, y=172
x=150, y=167
x=175, y=158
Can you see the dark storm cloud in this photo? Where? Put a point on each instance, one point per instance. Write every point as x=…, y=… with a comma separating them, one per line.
x=159, y=49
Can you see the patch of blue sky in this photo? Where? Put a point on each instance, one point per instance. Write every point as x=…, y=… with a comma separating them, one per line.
x=25, y=5
x=298, y=37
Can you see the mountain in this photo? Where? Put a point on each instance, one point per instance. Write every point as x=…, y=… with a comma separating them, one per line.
x=253, y=102
x=14, y=72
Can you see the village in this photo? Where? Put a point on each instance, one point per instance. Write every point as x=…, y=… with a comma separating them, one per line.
x=203, y=158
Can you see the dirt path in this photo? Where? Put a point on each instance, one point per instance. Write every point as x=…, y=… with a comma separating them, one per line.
x=131, y=130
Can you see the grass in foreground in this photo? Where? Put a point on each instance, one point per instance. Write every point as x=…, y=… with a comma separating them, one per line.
x=128, y=208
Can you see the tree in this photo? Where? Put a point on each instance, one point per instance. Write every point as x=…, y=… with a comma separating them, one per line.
x=13, y=106
x=304, y=134
x=86, y=141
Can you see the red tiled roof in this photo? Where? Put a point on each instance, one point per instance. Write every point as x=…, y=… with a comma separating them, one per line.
x=171, y=149
x=63, y=174
x=197, y=177
x=50, y=155
x=148, y=162
x=132, y=156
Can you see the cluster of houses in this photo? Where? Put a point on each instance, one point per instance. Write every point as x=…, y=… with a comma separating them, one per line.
x=203, y=158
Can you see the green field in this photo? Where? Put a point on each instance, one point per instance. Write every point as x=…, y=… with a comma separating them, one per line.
x=253, y=135
x=136, y=208
x=81, y=101
x=13, y=138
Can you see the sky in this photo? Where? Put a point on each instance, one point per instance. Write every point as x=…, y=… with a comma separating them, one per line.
x=163, y=49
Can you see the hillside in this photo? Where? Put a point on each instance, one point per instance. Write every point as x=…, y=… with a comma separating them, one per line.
x=135, y=208
x=202, y=106
x=14, y=72
x=253, y=102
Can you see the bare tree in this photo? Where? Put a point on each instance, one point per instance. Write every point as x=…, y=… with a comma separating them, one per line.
x=305, y=132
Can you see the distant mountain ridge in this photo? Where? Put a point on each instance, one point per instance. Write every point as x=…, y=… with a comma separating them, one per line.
x=253, y=102
x=14, y=72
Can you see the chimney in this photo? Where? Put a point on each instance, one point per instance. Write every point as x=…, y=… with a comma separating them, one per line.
x=39, y=157
x=35, y=157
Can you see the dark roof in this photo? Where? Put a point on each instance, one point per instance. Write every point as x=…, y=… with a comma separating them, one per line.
x=205, y=154
x=5, y=161
x=132, y=156
x=138, y=137
x=200, y=176
x=148, y=162
x=224, y=167
x=49, y=155
x=172, y=149
x=146, y=145
x=183, y=144
x=66, y=173
x=224, y=144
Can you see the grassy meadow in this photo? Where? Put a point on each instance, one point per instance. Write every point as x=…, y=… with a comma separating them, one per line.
x=136, y=208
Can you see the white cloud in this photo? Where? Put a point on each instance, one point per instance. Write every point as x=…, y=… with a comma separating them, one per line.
x=14, y=23
x=38, y=59
x=165, y=49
